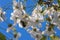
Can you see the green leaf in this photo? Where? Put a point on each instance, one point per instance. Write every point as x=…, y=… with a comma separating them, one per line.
x=43, y=38
x=24, y=7
x=2, y=37
x=51, y=0
x=54, y=37
x=59, y=2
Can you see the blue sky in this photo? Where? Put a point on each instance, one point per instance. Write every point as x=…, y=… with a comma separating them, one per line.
x=25, y=35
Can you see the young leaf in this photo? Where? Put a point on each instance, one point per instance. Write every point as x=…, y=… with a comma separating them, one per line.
x=2, y=37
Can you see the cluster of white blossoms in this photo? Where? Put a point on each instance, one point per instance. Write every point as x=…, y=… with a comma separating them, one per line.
x=20, y=17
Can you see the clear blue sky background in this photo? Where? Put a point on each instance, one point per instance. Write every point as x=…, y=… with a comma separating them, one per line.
x=6, y=5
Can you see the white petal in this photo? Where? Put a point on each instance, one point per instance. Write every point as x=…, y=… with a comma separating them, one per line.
x=4, y=12
x=1, y=19
x=20, y=25
x=8, y=30
x=51, y=35
x=43, y=32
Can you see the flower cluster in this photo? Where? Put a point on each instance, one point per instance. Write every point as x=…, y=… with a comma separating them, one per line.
x=20, y=17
